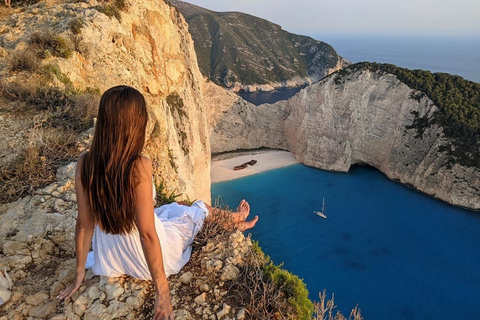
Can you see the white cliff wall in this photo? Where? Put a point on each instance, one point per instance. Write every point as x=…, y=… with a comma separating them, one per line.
x=149, y=49
x=362, y=119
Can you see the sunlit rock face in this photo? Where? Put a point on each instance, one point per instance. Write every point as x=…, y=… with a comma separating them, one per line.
x=359, y=118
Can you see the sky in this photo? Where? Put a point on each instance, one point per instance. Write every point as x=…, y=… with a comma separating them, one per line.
x=310, y=17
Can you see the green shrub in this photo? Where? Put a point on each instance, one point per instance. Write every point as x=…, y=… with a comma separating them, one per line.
x=293, y=288
x=52, y=70
x=171, y=157
x=75, y=25
x=45, y=43
x=110, y=10
x=163, y=197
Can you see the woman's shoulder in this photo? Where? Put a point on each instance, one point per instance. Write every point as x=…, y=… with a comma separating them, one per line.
x=80, y=159
x=144, y=165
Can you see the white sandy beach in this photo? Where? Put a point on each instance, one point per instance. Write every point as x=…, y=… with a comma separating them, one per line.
x=222, y=165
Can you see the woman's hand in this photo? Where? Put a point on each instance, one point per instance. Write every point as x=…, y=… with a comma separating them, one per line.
x=73, y=287
x=163, y=307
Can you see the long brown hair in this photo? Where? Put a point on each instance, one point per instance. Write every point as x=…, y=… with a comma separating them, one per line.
x=108, y=168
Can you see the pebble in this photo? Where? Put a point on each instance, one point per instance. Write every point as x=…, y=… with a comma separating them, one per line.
x=225, y=310
x=186, y=278
x=230, y=272
x=201, y=299
x=241, y=314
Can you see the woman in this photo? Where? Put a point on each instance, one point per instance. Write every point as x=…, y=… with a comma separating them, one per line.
x=113, y=184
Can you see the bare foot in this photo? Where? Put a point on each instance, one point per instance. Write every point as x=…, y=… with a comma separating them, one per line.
x=243, y=210
x=242, y=226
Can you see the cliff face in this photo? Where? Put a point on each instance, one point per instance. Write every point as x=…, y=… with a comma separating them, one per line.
x=364, y=118
x=242, y=52
x=149, y=48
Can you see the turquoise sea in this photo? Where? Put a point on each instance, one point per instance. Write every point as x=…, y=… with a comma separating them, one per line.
x=396, y=252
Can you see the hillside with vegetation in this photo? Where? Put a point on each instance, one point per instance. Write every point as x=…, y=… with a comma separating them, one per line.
x=458, y=102
x=240, y=51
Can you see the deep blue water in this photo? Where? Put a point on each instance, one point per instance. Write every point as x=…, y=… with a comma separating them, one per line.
x=396, y=252
x=454, y=55
x=258, y=98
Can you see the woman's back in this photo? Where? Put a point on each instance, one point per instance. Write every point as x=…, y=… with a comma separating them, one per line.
x=176, y=226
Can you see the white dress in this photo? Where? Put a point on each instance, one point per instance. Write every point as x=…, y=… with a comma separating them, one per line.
x=176, y=225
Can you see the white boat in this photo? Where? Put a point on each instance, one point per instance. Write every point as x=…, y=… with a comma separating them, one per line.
x=321, y=213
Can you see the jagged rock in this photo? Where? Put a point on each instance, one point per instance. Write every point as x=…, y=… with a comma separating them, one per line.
x=186, y=278
x=36, y=299
x=230, y=272
x=56, y=288
x=12, y=247
x=241, y=314
x=201, y=299
x=43, y=311
x=183, y=314
x=113, y=290
x=80, y=305
x=225, y=310
x=95, y=293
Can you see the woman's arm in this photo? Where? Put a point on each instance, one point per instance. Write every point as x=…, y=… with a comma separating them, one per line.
x=83, y=232
x=149, y=239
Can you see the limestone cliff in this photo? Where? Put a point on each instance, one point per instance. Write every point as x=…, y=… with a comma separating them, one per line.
x=148, y=47
x=364, y=117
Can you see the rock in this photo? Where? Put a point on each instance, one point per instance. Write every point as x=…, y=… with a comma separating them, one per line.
x=186, y=278
x=337, y=123
x=95, y=293
x=12, y=247
x=118, y=309
x=225, y=310
x=56, y=288
x=230, y=272
x=236, y=239
x=204, y=287
x=113, y=290
x=20, y=261
x=182, y=314
x=136, y=301
x=43, y=311
x=36, y=299
x=96, y=311
x=217, y=265
x=80, y=305
x=201, y=299
x=241, y=314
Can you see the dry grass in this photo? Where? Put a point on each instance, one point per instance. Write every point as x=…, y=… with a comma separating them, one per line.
x=26, y=60
x=324, y=310
x=262, y=299
x=219, y=223
x=36, y=166
x=61, y=117
x=49, y=42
